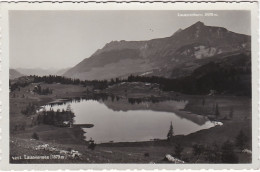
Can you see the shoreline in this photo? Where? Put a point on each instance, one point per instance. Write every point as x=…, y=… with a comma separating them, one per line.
x=74, y=137
x=178, y=112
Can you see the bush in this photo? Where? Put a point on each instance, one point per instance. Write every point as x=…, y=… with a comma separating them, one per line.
x=91, y=145
x=146, y=154
x=30, y=109
x=178, y=150
x=227, y=153
x=198, y=149
x=241, y=140
x=213, y=153
x=35, y=136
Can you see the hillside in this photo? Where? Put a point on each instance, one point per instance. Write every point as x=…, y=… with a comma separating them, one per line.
x=229, y=75
x=184, y=51
x=13, y=74
x=61, y=71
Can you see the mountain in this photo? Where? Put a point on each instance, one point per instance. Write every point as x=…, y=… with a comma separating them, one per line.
x=171, y=57
x=13, y=74
x=164, y=106
x=61, y=71
x=41, y=72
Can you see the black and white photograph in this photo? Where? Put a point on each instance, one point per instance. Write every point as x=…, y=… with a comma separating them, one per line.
x=130, y=87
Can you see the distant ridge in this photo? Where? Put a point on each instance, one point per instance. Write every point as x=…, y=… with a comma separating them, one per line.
x=41, y=72
x=13, y=74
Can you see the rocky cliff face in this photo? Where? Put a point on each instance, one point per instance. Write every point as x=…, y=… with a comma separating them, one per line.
x=171, y=57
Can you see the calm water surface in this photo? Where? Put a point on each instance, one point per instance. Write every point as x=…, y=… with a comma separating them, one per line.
x=121, y=121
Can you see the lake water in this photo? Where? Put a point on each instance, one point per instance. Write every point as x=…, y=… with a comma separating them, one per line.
x=121, y=121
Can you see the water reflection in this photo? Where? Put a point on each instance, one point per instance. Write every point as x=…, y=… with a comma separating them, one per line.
x=118, y=119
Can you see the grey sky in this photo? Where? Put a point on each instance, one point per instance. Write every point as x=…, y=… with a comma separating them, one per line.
x=60, y=39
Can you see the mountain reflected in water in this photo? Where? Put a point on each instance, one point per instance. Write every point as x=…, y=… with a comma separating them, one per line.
x=121, y=120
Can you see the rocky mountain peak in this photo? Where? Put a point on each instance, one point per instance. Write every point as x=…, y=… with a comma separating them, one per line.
x=197, y=26
x=199, y=23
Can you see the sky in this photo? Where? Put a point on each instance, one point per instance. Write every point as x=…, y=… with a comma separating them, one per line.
x=61, y=39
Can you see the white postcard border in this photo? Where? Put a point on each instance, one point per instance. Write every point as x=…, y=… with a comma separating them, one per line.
x=4, y=76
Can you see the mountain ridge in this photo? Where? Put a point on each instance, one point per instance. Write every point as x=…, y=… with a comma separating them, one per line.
x=159, y=56
x=41, y=71
x=13, y=74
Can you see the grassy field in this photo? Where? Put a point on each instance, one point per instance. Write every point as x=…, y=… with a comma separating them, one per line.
x=24, y=97
x=22, y=127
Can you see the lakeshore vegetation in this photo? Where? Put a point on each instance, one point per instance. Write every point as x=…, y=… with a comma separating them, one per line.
x=229, y=143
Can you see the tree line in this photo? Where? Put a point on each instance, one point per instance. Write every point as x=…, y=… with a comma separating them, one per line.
x=212, y=76
x=59, y=118
x=97, y=84
x=50, y=117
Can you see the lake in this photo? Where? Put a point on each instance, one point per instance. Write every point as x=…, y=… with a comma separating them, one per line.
x=122, y=121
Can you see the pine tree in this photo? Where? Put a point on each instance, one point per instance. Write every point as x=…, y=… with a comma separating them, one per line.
x=70, y=114
x=112, y=81
x=68, y=109
x=170, y=133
